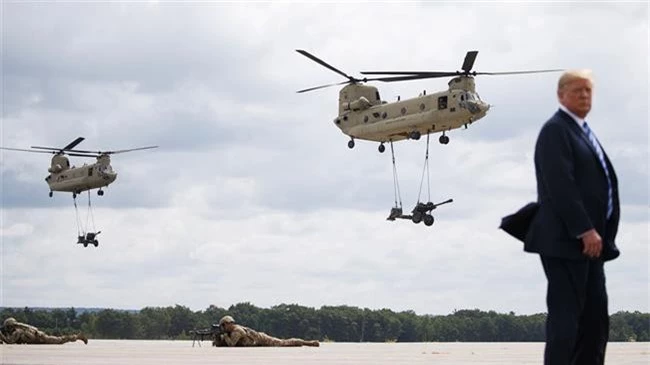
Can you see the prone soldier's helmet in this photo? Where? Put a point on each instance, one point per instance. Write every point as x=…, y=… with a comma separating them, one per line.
x=10, y=322
x=226, y=319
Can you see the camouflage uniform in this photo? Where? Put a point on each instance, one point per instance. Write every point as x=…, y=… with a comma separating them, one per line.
x=244, y=336
x=21, y=333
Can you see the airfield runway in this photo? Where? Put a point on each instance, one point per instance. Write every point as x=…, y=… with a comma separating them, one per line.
x=181, y=352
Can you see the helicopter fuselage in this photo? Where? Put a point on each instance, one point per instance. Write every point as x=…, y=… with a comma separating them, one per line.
x=362, y=115
x=79, y=179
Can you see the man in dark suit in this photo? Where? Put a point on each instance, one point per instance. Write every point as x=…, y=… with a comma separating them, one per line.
x=574, y=227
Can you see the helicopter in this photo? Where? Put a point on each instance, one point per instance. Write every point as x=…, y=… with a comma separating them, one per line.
x=66, y=178
x=363, y=115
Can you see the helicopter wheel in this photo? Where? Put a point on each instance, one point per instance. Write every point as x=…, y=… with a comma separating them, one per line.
x=74, y=195
x=51, y=194
x=428, y=220
x=382, y=148
x=415, y=135
x=443, y=139
x=351, y=143
x=100, y=192
x=417, y=217
x=95, y=243
x=85, y=244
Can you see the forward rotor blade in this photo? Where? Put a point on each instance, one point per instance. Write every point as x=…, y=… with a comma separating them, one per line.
x=438, y=73
x=73, y=143
x=323, y=63
x=24, y=150
x=83, y=151
x=129, y=150
x=322, y=86
x=410, y=77
x=83, y=154
x=515, y=72
x=470, y=57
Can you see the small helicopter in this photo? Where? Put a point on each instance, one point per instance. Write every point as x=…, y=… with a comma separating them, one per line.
x=66, y=178
x=363, y=115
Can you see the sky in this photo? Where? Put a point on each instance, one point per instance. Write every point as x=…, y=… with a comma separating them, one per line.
x=253, y=195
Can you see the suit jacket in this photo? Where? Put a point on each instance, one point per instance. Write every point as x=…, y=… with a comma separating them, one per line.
x=571, y=193
x=517, y=224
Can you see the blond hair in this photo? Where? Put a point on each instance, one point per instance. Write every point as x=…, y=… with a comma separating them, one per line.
x=573, y=75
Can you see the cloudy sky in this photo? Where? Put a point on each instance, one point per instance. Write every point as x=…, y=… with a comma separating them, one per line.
x=253, y=195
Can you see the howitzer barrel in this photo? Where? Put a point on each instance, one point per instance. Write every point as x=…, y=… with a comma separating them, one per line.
x=445, y=202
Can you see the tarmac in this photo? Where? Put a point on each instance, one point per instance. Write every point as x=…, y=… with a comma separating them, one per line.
x=182, y=352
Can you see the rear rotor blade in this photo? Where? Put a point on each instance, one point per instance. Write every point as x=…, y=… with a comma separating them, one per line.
x=323, y=63
x=47, y=148
x=24, y=150
x=470, y=57
x=322, y=86
x=73, y=143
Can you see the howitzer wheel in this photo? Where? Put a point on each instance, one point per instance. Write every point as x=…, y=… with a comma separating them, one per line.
x=417, y=217
x=428, y=220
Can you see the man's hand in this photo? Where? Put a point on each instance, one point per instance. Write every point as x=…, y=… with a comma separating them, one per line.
x=592, y=243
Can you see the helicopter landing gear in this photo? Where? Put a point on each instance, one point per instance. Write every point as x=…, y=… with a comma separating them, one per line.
x=50, y=194
x=443, y=139
x=100, y=192
x=415, y=135
x=381, y=147
x=74, y=195
x=351, y=143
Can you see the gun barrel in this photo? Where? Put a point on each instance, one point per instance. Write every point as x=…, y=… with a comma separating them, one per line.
x=445, y=202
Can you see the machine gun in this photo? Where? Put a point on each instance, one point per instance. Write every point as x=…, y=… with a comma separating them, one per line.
x=421, y=212
x=213, y=333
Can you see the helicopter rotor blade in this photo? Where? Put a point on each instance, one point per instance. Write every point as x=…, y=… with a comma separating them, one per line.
x=468, y=63
x=69, y=147
x=408, y=75
x=83, y=154
x=325, y=64
x=129, y=150
x=25, y=150
x=47, y=148
x=72, y=144
x=322, y=86
x=411, y=77
x=431, y=73
x=516, y=72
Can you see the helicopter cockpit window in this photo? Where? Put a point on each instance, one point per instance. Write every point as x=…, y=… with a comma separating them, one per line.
x=470, y=96
x=442, y=102
x=377, y=95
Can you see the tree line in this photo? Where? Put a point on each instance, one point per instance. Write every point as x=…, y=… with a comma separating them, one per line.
x=328, y=323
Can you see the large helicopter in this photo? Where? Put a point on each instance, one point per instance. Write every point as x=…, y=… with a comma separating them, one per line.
x=66, y=178
x=363, y=115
